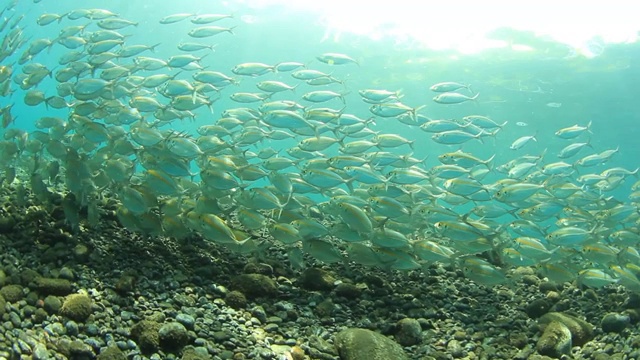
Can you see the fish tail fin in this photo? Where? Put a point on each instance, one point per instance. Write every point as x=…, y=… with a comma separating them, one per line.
x=489, y=162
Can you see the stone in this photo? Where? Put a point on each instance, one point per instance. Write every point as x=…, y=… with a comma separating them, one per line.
x=40, y=352
x=7, y=223
x=537, y=308
x=173, y=336
x=235, y=299
x=67, y=274
x=190, y=353
x=408, y=332
x=255, y=285
x=555, y=340
x=362, y=344
x=455, y=349
x=53, y=286
x=581, y=331
x=187, y=320
x=77, y=307
x=125, y=284
x=614, y=322
x=12, y=293
x=52, y=304
x=347, y=290
x=80, y=350
x=145, y=333
x=317, y=279
x=112, y=353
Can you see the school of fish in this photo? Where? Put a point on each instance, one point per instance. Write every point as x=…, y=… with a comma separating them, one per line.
x=343, y=193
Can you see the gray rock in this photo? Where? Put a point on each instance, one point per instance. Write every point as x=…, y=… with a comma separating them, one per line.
x=614, y=322
x=92, y=330
x=259, y=313
x=173, y=336
x=361, y=344
x=52, y=304
x=455, y=349
x=537, y=308
x=72, y=328
x=555, y=340
x=40, y=352
x=581, y=331
x=187, y=320
x=55, y=329
x=408, y=332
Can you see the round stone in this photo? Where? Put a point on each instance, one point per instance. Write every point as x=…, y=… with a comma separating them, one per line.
x=408, y=332
x=173, y=336
x=614, y=322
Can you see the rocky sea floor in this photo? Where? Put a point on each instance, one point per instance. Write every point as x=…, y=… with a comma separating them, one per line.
x=107, y=293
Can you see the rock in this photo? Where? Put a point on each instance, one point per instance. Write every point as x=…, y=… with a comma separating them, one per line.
x=259, y=313
x=125, y=284
x=40, y=315
x=531, y=280
x=537, y=308
x=347, y=290
x=7, y=223
x=555, y=340
x=187, y=320
x=408, y=332
x=634, y=315
x=190, y=353
x=317, y=279
x=76, y=307
x=67, y=274
x=145, y=333
x=255, y=285
x=51, y=286
x=173, y=336
x=325, y=308
x=547, y=286
x=40, y=352
x=235, y=299
x=581, y=331
x=455, y=349
x=80, y=350
x=52, y=304
x=81, y=252
x=112, y=353
x=362, y=344
x=258, y=268
x=614, y=322
x=12, y=293
x=71, y=328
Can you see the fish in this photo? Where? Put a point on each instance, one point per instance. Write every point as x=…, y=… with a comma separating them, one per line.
x=448, y=86
x=573, y=131
x=520, y=142
x=454, y=98
x=208, y=31
x=336, y=59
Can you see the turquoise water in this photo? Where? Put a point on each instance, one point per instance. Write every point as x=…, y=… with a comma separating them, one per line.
x=535, y=92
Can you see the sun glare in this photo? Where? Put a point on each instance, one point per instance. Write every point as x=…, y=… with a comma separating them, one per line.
x=463, y=25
